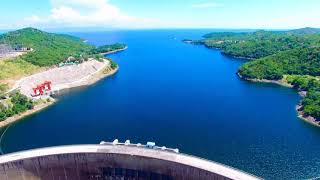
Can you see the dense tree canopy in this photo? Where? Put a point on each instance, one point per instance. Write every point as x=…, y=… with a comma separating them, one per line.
x=261, y=43
x=107, y=48
x=299, y=61
x=49, y=48
x=18, y=103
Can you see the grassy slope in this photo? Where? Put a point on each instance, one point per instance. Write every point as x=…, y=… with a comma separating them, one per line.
x=13, y=69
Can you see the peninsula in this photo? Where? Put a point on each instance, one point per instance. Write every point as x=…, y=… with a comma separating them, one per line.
x=35, y=65
x=289, y=58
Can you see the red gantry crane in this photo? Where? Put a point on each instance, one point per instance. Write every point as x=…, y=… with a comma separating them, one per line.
x=40, y=89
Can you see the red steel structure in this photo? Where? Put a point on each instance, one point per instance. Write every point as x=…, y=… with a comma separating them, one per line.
x=40, y=89
x=47, y=85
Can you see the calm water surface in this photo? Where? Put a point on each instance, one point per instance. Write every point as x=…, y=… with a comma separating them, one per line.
x=184, y=96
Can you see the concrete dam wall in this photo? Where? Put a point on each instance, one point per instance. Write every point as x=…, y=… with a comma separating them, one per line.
x=104, y=162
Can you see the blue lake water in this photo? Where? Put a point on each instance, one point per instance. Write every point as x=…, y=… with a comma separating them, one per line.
x=181, y=96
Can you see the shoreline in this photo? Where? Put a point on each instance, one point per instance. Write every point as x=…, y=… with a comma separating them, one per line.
x=309, y=119
x=17, y=117
x=102, y=73
x=237, y=57
x=221, y=51
x=114, y=51
x=278, y=82
x=88, y=81
x=300, y=114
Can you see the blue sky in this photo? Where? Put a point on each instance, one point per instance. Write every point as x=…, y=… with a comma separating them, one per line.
x=126, y=14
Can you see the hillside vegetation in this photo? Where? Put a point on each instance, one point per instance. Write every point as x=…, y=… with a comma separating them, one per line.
x=298, y=61
x=108, y=48
x=12, y=69
x=260, y=44
x=44, y=50
x=17, y=103
x=48, y=49
x=292, y=56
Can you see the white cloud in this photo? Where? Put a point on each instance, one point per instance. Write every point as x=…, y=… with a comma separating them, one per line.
x=104, y=14
x=85, y=13
x=79, y=3
x=206, y=5
x=33, y=19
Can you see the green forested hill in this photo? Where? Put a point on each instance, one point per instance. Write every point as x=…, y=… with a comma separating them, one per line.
x=261, y=43
x=307, y=30
x=49, y=48
x=292, y=56
x=298, y=61
x=108, y=48
x=35, y=38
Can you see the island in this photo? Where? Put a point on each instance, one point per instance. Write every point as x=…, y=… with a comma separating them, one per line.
x=35, y=65
x=289, y=58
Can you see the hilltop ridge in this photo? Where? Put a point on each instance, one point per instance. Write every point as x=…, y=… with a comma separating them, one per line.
x=306, y=30
x=51, y=48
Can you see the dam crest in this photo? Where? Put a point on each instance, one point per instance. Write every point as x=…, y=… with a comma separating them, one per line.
x=112, y=160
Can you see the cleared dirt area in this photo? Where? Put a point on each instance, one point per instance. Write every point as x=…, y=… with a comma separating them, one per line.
x=10, y=55
x=62, y=77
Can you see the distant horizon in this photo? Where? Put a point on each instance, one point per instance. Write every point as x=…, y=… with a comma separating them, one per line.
x=91, y=29
x=165, y=14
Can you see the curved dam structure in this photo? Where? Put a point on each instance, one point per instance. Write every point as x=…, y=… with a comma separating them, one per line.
x=112, y=161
